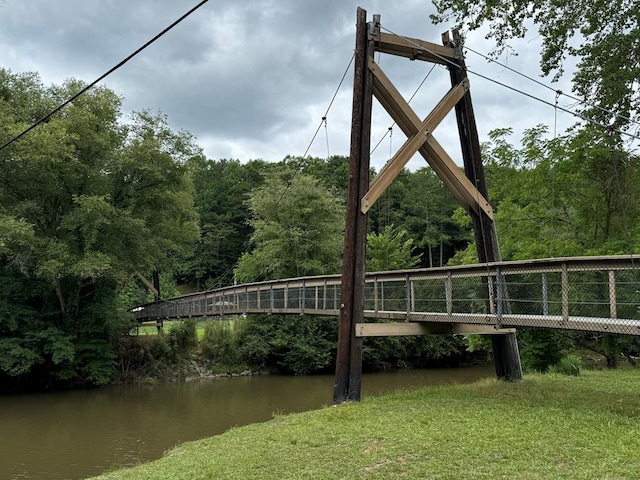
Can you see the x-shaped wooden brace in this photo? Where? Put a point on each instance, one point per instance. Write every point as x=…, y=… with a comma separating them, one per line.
x=420, y=139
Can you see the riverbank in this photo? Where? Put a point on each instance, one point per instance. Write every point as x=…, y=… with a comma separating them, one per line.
x=547, y=426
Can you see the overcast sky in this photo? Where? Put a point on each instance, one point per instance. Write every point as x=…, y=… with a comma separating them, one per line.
x=253, y=78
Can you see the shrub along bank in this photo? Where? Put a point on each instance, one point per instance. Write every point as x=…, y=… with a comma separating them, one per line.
x=547, y=426
x=294, y=344
x=298, y=345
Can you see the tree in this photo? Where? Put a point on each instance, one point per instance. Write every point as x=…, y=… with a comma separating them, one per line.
x=222, y=189
x=86, y=201
x=604, y=37
x=298, y=227
x=332, y=173
x=297, y=231
x=573, y=195
x=570, y=196
x=419, y=203
x=390, y=250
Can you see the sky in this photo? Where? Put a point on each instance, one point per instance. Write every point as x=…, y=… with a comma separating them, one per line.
x=253, y=78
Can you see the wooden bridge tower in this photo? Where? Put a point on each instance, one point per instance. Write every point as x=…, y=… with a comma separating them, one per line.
x=469, y=187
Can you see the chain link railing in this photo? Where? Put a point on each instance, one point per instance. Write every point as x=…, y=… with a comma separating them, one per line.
x=581, y=293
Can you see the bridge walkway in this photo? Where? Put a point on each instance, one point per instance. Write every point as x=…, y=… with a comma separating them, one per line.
x=600, y=294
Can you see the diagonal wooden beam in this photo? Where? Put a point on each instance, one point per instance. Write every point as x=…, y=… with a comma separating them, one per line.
x=446, y=169
x=147, y=283
x=462, y=188
x=394, y=166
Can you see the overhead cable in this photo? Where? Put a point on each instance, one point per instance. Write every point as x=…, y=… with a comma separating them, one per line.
x=101, y=77
x=556, y=91
x=533, y=97
x=324, y=117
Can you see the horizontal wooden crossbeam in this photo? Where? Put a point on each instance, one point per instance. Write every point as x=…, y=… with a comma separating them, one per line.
x=422, y=328
x=415, y=49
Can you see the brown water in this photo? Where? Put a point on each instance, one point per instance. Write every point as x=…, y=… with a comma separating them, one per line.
x=73, y=435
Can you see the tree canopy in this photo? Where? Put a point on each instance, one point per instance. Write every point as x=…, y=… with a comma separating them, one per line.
x=603, y=36
x=297, y=229
x=86, y=201
x=222, y=188
x=392, y=249
x=573, y=195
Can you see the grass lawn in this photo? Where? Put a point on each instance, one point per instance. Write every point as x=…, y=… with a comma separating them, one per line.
x=545, y=427
x=151, y=329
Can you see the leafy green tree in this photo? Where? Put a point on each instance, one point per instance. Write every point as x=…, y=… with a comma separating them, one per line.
x=604, y=38
x=289, y=344
x=390, y=250
x=332, y=172
x=86, y=200
x=573, y=195
x=298, y=227
x=393, y=250
x=419, y=203
x=222, y=189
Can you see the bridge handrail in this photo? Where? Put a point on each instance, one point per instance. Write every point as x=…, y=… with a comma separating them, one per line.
x=597, y=293
x=606, y=262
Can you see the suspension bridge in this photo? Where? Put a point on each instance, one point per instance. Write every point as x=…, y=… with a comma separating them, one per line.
x=598, y=294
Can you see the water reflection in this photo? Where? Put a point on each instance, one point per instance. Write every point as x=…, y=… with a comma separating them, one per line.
x=82, y=433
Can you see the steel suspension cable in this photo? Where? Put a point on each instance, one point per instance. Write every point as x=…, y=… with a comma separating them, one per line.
x=101, y=77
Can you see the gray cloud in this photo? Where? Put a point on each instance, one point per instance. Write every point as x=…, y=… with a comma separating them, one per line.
x=252, y=79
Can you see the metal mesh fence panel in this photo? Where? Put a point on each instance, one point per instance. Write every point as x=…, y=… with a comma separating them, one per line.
x=293, y=298
x=469, y=295
x=278, y=298
x=584, y=293
x=429, y=295
x=628, y=294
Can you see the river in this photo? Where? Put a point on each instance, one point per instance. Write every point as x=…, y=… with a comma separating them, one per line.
x=77, y=434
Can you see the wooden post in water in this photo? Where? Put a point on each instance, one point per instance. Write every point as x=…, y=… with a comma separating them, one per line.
x=349, y=356
x=505, y=347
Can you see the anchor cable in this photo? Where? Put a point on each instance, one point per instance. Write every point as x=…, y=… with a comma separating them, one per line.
x=558, y=92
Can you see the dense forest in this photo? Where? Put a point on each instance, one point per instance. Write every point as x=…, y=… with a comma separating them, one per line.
x=90, y=200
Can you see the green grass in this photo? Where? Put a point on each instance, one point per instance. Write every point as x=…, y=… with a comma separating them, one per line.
x=545, y=427
x=151, y=329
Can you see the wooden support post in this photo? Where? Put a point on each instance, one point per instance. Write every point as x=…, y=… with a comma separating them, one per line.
x=156, y=295
x=613, y=310
x=505, y=347
x=349, y=356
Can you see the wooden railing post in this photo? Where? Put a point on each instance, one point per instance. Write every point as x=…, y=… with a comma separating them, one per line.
x=448, y=293
x=613, y=309
x=545, y=294
x=565, y=293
